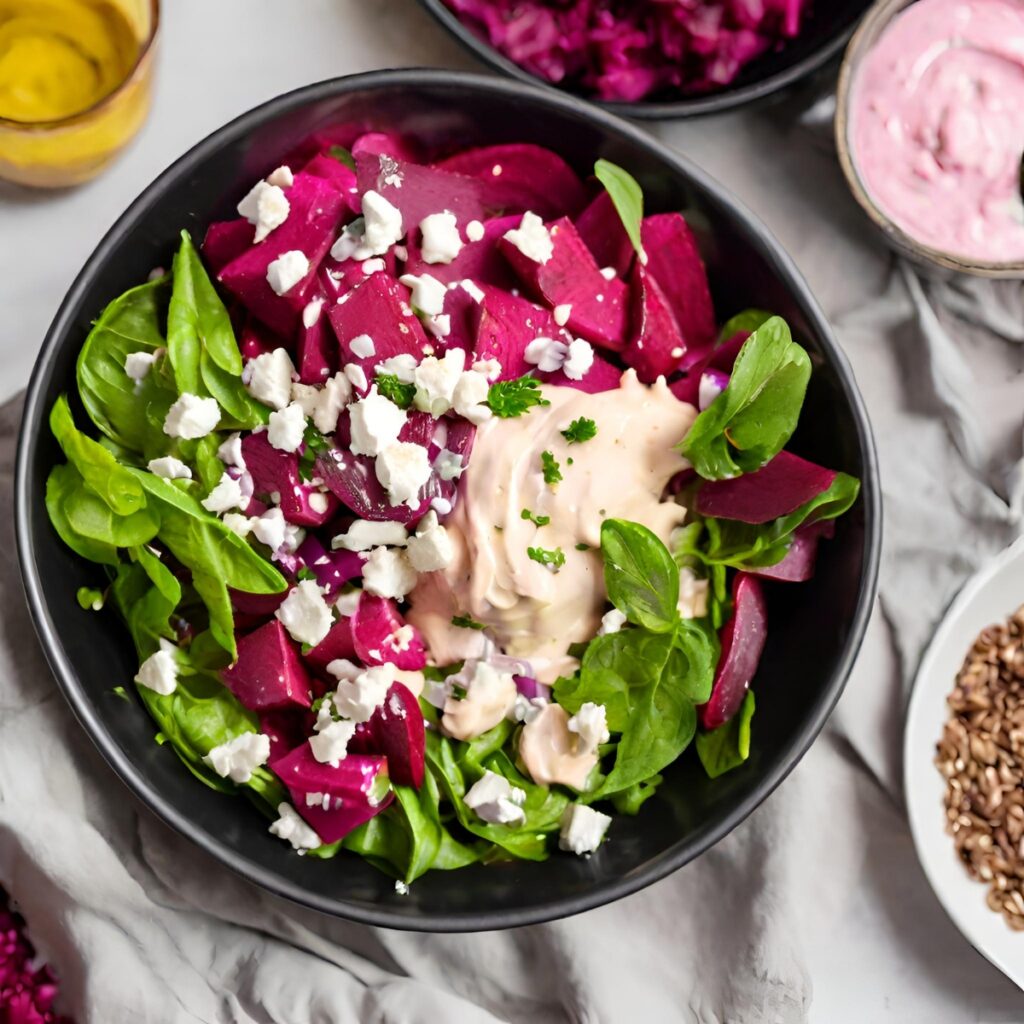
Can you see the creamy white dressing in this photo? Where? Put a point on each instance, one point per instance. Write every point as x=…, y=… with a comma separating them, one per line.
x=530, y=611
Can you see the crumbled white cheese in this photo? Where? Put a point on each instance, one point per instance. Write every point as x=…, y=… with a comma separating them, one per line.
x=266, y=207
x=239, y=757
x=375, y=423
x=562, y=313
x=357, y=375
x=284, y=273
x=474, y=231
x=138, y=364
x=230, y=451
x=401, y=366
x=306, y=396
x=382, y=225
x=578, y=360
x=276, y=532
x=286, y=428
x=448, y=465
x=238, y=524
x=282, y=177
x=349, y=242
x=311, y=313
x=330, y=744
x=191, y=417
x=403, y=468
x=364, y=534
x=494, y=799
x=490, y=368
x=159, y=672
x=611, y=622
x=526, y=709
x=546, y=354
x=225, y=496
x=170, y=468
x=441, y=242
x=442, y=506
x=334, y=396
x=291, y=827
x=582, y=829
x=470, y=393
x=362, y=346
x=693, y=595
x=436, y=380
x=431, y=548
x=268, y=378
x=473, y=290
x=532, y=238
x=305, y=614
x=428, y=293
x=388, y=573
x=590, y=726
x=342, y=669
x=359, y=698
x=319, y=502
x=609, y=273
x=440, y=326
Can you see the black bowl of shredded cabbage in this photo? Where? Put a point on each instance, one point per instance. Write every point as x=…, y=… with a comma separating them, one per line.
x=652, y=58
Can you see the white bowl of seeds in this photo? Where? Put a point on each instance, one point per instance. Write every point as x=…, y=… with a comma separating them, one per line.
x=964, y=762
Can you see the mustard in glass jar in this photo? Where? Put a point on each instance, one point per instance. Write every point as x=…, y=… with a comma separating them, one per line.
x=75, y=78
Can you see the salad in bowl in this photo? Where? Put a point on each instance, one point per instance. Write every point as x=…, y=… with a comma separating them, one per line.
x=439, y=507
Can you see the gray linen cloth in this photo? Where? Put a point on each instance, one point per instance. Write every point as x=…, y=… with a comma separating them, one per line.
x=141, y=927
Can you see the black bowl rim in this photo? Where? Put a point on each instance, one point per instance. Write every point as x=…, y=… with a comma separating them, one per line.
x=691, y=106
x=34, y=419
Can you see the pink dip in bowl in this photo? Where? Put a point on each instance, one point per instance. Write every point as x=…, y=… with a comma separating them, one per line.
x=937, y=126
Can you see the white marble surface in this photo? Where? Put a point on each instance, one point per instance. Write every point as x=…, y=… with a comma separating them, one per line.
x=882, y=953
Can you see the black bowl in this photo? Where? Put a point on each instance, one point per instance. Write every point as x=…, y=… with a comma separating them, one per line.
x=828, y=28
x=816, y=628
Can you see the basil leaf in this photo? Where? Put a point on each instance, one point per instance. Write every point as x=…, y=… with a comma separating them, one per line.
x=243, y=411
x=161, y=577
x=130, y=414
x=748, y=424
x=748, y=321
x=728, y=746
x=640, y=576
x=89, y=516
x=630, y=800
x=627, y=197
x=62, y=483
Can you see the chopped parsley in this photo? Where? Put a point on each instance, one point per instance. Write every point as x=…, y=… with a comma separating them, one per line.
x=459, y=692
x=343, y=156
x=582, y=547
x=465, y=622
x=535, y=519
x=396, y=390
x=120, y=691
x=554, y=559
x=89, y=599
x=510, y=398
x=552, y=471
x=580, y=430
x=305, y=573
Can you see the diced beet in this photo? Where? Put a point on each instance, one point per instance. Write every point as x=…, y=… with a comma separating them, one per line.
x=374, y=625
x=316, y=352
x=337, y=644
x=316, y=211
x=255, y=339
x=602, y=376
x=396, y=730
x=463, y=313
x=780, y=487
x=333, y=569
x=798, y=565
x=673, y=260
x=260, y=606
x=743, y=638
x=286, y=730
x=601, y=229
x=506, y=325
x=656, y=347
x=379, y=307
x=376, y=143
x=479, y=262
x=598, y=308
x=721, y=358
x=226, y=240
x=338, y=278
x=269, y=672
x=419, y=191
x=519, y=176
x=274, y=471
x=340, y=176
x=356, y=790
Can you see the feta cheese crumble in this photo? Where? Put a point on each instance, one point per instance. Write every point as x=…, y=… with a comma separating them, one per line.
x=359, y=698
x=268, y=378
x=431, y=548
x=266, y=207
x=291, y=827
x=382, y=225
x=436, y=380
x=402, y=366
x=428, y=293
x=388, y=573
x=362, y=346
x=546, y=354
x=403, y=468
x=281, y=176
x=284, y=273
x=239, y=757
x=590, y=726
x=611, y=622
x=495, y=800
x=469, y=397
x=448, y=465
x=357, y=375
x=305, y=614
x=532, y=238
x=693, y=595
x=225, y=496
x=276, y=532
x=230, y=451
x=375, y=423
x=578, y=360
x=364, y=534
x=330, y=744
x=562, y=313
x=191, y=417
x=441, y=242
x=474, y=231
x=311, y=313
x=286, y=428
x=582, y=829
x=159, y=672
x=169, y=468
x=138, y=364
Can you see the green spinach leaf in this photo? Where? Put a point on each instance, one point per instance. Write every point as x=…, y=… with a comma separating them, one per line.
x=641, y=578
x=627, y=197
x=728, y=746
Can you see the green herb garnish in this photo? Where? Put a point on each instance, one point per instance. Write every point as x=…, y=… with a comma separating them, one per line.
x=582, y=547
x=465, y=622
x=580, y=430
x=395, y=390
x=552, y=557
x=343, y=156
x=90, y=599
x=510, y=398
x=552, y=471
x=305, y=573
x=535, y=519
x=459, y=692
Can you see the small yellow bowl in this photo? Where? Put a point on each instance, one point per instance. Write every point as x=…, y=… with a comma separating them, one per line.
x=70, y=150
x=875, y=22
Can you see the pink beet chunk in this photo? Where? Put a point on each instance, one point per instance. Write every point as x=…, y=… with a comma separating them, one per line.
x=286, y=730
x=376, y=143
x=519, y=176
x=479, y=262
x=374, y=627
x=571, y=277
x=226, y=240
x=506, y=326
x=743, y=639
x=780, y=487
x=269, y=672
x=316, y=350
x=674, y=262
x=396, y=730
x=602, y=376
x=356, y=790
x=341, y=177
x=274, y=471
x=798, y=565
x=317, y=208
x=600, y=227
x=337, y=644
x=255, y=339
x=656, y=346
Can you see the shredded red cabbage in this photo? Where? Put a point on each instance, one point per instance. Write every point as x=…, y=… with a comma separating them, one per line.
x=27, y=991
x=628, y=50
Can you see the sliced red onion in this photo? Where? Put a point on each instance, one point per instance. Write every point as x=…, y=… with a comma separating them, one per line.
x=332, y=569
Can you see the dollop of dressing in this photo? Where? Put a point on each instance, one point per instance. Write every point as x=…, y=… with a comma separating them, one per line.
x=937, y=125
x=530, y=611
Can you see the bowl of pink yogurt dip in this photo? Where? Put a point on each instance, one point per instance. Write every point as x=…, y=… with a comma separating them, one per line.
x=930, y=130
